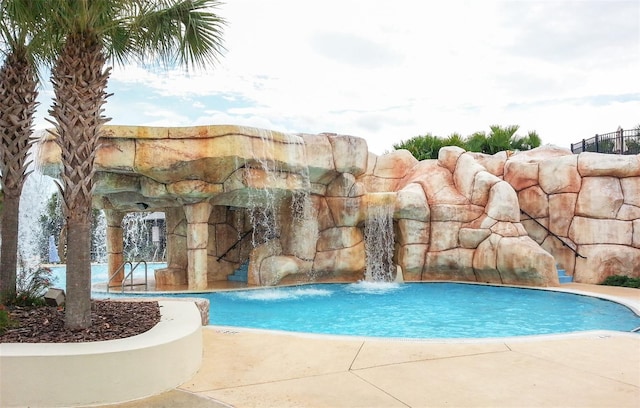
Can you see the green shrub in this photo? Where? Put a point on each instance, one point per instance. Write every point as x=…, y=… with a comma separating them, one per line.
x=621, y=280
x=31, y=285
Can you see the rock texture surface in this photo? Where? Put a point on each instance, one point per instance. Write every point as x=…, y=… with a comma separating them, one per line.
x=295, y=207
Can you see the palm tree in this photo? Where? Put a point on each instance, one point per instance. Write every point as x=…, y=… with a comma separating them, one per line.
x=422, y=147
x=175, y=31
x=20, y=35
x=502, y=138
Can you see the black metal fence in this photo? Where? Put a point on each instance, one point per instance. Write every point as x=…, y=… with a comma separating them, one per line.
x=618, y=142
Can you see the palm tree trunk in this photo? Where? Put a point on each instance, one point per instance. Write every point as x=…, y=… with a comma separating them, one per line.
x=79, y=81
x=78, y=301
x=8, y=255
x=18, y=93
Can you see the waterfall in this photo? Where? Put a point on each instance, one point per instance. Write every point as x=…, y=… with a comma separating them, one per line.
x=32, y=244
x=262, y=205
x=379, y=242
x=137, y=237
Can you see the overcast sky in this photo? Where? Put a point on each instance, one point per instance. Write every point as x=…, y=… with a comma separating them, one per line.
x=390, y=70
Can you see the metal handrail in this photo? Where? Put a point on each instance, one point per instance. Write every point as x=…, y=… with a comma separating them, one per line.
x=553, y=234
x=235, y=245
x=129, y=275
x=121, y=267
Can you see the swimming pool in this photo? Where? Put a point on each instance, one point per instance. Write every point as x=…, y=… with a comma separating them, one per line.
x=408, y=310
x=100, y=273
x=417, y=310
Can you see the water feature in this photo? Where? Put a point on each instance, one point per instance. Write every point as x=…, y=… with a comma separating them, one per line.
x=417, y=310
x=379, y=242
x=99, y=275
x=33, y=246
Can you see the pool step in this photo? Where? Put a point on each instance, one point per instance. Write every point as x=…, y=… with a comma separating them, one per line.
x=563, y=277
x=241, y=274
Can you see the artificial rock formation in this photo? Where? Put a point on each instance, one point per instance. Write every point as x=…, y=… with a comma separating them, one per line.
x=294, y=207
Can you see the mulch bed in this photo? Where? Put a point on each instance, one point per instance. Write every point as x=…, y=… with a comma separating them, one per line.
x=110, y=320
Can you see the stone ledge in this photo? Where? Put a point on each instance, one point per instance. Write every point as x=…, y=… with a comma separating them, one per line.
x=105, y=372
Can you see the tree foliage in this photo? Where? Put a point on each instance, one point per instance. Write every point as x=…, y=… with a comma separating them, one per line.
x=80, y=39
x=498, y=139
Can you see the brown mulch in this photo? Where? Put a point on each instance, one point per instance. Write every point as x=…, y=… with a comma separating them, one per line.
x=110, y=320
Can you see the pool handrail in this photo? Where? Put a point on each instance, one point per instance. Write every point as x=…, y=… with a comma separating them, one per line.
x=129, y=275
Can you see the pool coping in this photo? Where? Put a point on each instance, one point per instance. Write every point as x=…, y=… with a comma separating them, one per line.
x=104, y=372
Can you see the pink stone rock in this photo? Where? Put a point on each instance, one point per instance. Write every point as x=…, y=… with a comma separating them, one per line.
x=563, y=254
x=109, y=183
x=543, y=152
x=505, y=229
x=346, y=261
x=535, y=231
x=472, y=237
x=484, y=260
x=631, y=190
x=493, y=163
x=116, y=155
x=521, y=175
x=347, y=211
x=350, y=154
x=465, y=174
x=153, y=189
x=411, y=203
x=584, y=231
x=628, y=213
x=599, y=197
x=560, y=175
x=561, y=211
x=635, y=241
x=194, y=189
x=299, y=236
x=340, y=237
x=482, y=187
x=412, y=232
x=438, y=185
x=275, y=268
x=455, y=212
x=454, y=264
x=170, y=277
x=258, y=255
x=444, y=235
x=341, y=185
x=324, y=216
x=135, y=132
x=197, y=213
x=373, y=184
x=534, y=202
x=411, y=258
x=319, y=154
x=448, y=157
x=395, y=164
x=599, y=164
x=521, y=261
x=503, y=203
x=604, y=260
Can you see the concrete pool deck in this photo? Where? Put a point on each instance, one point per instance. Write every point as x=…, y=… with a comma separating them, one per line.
x=255, y=368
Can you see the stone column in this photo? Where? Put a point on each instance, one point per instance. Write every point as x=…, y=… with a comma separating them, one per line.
x=115, y=245
x=176, y=238
x=197, y=241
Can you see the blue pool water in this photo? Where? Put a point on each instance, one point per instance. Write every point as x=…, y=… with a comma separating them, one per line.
x=409, y=310
x=417, y=310
x=100, y=274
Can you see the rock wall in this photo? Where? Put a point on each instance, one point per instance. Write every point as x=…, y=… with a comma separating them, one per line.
x=584, y=209
x=296, y=206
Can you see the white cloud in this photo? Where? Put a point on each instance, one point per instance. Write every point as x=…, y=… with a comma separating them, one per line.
x=388, y=71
